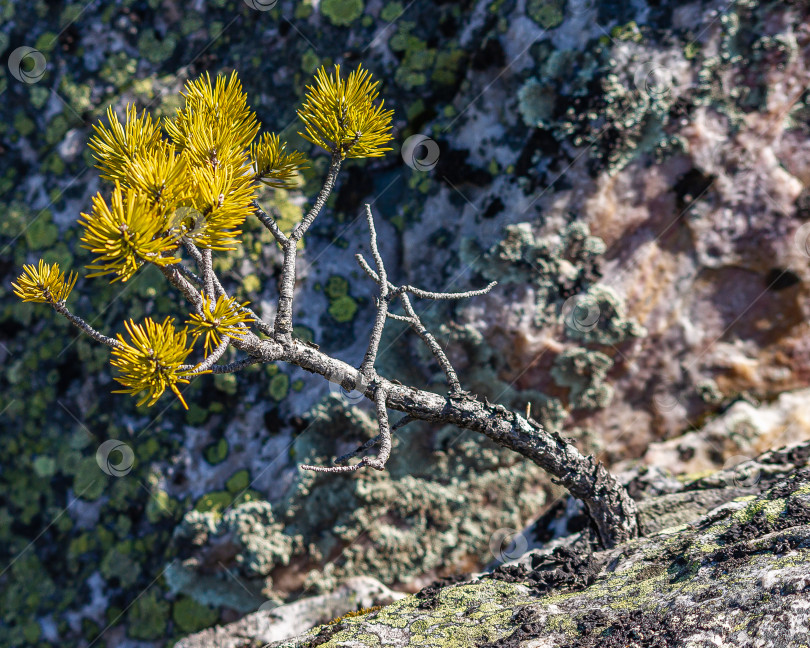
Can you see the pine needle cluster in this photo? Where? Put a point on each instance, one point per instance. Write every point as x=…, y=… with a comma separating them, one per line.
x=44, y=284
x=340, y=115
x=272, y=164
x=125, y=234
x=151, y=361
x=192, y=179
x=223, y=319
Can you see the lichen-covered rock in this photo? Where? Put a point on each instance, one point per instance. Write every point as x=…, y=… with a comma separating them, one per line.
x=735, y=573
x=740, y=433
x=274, y=622
x=404, y=526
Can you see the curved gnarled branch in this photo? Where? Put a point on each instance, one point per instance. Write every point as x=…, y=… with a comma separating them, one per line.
x=341, y=116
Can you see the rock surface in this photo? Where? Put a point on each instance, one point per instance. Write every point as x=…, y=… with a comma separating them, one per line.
x=274, y=622
x=733, y=571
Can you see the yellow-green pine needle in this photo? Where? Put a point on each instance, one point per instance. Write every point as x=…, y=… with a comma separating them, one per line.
x=223, y=319
x=161, y=175
x=44, y=284
x=151, y=361
x=125, y=234
x=116, y=146
x=272, y=165
x=222, y=201
x=216, y=126
x=341, y=115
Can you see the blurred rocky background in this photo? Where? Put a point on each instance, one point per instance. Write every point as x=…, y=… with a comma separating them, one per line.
x=633, y=174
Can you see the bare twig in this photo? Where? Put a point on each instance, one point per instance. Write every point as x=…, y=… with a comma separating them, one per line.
x=336, y=469
x=367, y=268
x=383, y=439
x=367, y=366
x=193, y=251
x=283, y=324
x=60, y=308
x=427, y=294
x=177, y=280
x=349, y=455
x=323, y=195
x=206, y=364
x=192, y=278
x=380, y=398
x=412, y=319
x=208, y=273
x=270, y=223
x=236, y=366
x=199, y=259
x=431, y=343
x=401, y=423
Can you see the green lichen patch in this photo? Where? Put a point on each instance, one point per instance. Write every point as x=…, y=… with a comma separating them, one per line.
x=238, y=482
x=279, y=386
x=216, y=452
x=342, y=12
x=190, y=616
x=546, y=13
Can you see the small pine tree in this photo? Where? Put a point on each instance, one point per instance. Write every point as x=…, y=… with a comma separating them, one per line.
x=182, y=192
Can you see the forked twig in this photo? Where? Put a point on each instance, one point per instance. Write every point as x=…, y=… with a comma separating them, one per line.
x=367, y=366
x=383, y=439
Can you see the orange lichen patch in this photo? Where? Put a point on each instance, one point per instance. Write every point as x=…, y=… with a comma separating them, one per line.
x=625, y=202
x=356, y=613
x=650, y=283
